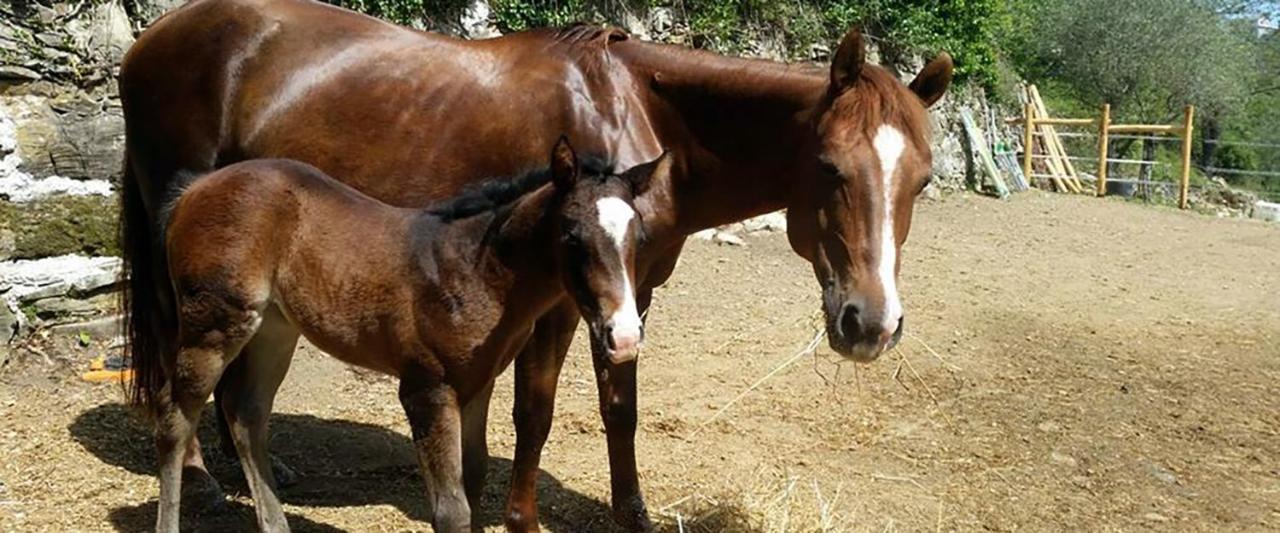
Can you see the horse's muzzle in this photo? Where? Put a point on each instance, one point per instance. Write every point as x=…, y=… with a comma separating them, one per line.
x=860, y=335
x=622, y=343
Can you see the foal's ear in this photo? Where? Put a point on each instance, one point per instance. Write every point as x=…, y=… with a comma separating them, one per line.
x=656, y=171
x=564, y=164
x=847, y=62
x=933, y=80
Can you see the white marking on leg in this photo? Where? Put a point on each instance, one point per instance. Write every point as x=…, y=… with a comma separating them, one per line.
x=615, y=218
x=889, y=144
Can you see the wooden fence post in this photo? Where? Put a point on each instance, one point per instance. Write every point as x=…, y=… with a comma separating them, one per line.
x=1185, y=183
x=1028, y=146
x=1103, y=147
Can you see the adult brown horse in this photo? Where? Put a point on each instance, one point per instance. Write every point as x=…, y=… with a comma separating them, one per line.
x=844, y=149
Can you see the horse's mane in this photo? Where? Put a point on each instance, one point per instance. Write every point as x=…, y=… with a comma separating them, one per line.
x=581, y=33
x=492, y=194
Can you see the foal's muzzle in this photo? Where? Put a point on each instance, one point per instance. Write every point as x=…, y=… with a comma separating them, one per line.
x=623, y=341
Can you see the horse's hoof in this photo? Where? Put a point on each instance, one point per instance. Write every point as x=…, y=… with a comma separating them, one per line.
x=518, y=522
x=285, y=476
x=201, y=493
x=631, y=514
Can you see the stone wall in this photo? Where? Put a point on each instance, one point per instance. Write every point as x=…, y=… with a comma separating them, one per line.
x=62, y=136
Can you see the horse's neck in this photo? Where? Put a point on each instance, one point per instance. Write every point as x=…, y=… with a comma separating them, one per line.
x=505, y=250
x=740, y=123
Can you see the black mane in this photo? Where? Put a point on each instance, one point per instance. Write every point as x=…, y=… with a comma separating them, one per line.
x=494, y=193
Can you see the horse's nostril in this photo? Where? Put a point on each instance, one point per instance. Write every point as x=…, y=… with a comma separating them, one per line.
x=608, y=338
x=850, y=322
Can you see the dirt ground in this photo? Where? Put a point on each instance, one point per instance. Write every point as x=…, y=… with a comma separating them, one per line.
x=1099, y=366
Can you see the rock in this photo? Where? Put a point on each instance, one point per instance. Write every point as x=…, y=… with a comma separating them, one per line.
x=1155, y=517
x=705, y=235
x=62, y=225
x=931, y=193
x=30, y=280
x=8, y=244
x=107, y=327
x=724, y=237
x=1049, y=426
x=1266, y=211
x=18, y=73
x=10, y=322
x=71, y=135
x=61, y=306
x=769, y=222
x=1063, y=459
x=1163, y=474
x=819, y=52
x=476, y=23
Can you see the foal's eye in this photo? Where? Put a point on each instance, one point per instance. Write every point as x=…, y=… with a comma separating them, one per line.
x=571, y=239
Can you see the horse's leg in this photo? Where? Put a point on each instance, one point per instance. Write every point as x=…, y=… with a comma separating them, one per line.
x=616, y=384
x=284, y=475
x=433, y=412
x=537, y=372
x=475, y=448
x=195, y=371
x=248, y=394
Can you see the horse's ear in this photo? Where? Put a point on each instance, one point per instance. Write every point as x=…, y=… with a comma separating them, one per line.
x=847, y=63
x=564, y=164
x=932, y=82
x=658, y=170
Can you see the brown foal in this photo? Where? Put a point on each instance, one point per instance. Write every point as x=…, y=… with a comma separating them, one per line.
x=442, y=298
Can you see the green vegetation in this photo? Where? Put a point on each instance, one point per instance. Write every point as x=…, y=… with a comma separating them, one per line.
x=61, y=225
x=965, y=28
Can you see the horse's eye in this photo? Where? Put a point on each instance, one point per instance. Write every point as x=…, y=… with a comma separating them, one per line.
x=829, y=170
x=572, y=239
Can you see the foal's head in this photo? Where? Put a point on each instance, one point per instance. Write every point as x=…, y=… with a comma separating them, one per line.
x=599, y=231
x=855, y=191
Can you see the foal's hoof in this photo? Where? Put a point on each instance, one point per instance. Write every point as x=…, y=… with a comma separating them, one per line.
x=631, y=514
x=285, y=476
x=201, y=493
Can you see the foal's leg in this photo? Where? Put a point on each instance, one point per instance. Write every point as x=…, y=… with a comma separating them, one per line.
x=537, y=372
x=616, y=384
x=248, y=392
x=195, y=371
x=475, y=448
x=432, y=408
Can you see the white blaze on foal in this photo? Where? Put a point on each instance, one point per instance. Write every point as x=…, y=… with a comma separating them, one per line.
x=624, y=322
x=889, y=144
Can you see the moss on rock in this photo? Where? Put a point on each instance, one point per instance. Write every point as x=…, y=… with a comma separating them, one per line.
x=61, y=225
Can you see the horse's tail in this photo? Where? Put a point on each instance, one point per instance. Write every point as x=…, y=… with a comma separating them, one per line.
x=150, y=321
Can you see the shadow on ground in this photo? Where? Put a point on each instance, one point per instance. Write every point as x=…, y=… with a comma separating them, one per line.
x=339, y=464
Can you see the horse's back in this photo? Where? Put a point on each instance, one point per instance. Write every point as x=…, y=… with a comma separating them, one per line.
x=368, y=102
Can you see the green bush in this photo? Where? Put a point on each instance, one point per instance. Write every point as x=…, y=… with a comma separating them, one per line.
x=965, y=28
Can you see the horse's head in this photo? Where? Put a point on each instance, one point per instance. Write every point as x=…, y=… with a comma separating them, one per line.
x=599, y=230
x=855, y=192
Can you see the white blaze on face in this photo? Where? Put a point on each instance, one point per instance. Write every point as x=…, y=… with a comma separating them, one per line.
x=624, y=321
x=889, y=145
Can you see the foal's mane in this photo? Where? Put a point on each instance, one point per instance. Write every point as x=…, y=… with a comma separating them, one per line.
x=495, y=193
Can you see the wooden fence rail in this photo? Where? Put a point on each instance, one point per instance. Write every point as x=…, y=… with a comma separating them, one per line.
x=1062, y=176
